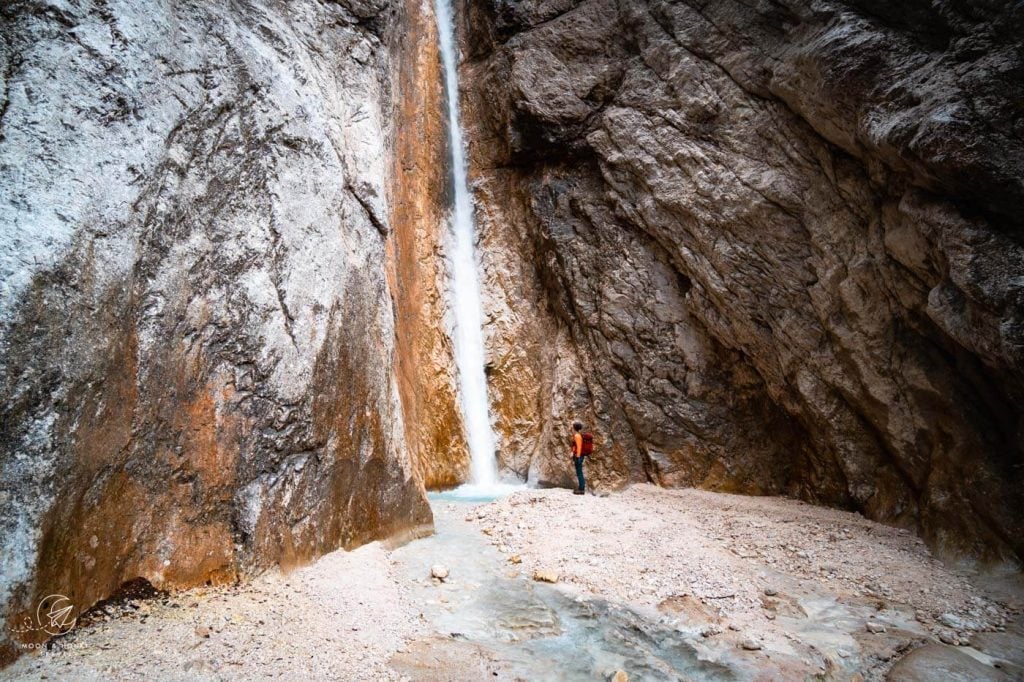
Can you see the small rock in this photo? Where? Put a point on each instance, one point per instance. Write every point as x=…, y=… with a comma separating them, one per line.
x=438, y=571
x=515, y=559
x=874, y=627
x=947, y=637
x=770, y=592
x=620, y=676
x=203, y=631
x=750, y=645
x=734, y=627
x=951, y=621
x=543, y=575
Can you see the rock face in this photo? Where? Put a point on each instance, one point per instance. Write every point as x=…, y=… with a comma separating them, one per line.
x=760, y=247
x=425, y=365
x=199, y=301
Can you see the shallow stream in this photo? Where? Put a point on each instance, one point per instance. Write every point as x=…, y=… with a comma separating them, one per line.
x=534, y=630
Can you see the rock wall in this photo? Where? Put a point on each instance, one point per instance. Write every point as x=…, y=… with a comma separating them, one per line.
x=768, y=247
x=202, y=280
x=425, y=364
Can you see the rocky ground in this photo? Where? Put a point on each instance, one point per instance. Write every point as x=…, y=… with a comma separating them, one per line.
x=770, y=585
x=341, y=618
x=757, y=572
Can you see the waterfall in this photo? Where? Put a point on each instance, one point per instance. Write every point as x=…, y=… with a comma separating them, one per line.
x=465, y=284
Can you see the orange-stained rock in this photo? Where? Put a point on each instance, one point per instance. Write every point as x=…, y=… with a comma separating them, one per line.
x=201, y=373
x=419, y=185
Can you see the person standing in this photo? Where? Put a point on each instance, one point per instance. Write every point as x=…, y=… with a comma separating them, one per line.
x=582, y=445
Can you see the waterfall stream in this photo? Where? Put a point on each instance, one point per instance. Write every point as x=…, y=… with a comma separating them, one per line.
x=465, y=284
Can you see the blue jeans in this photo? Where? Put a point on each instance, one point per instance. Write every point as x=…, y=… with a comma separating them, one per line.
x=578, y=461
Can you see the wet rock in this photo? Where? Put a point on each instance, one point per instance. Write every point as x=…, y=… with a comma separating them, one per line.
x=937, y=662
x=956, y=622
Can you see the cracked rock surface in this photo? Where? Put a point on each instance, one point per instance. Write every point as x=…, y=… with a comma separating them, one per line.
x=760, y=248
x=196, y=328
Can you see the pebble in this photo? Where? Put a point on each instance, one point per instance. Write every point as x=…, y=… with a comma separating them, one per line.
x=875, y=628
x=543, y=575
x=751, y=645
x=439, y=571
x=951, y=621
x=770, y=592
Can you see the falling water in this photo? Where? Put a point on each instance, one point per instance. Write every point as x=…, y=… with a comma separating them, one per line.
x=465, y=285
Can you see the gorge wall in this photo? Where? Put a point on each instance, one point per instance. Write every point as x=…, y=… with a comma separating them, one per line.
x=214, y=259
x=768, y=247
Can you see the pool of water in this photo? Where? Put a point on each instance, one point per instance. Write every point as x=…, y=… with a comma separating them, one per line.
x=536, y=630
x=474, y=494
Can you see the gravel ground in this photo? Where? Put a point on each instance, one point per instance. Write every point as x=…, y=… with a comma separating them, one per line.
x=748, y=566
x=790, y=587
x=340, y=618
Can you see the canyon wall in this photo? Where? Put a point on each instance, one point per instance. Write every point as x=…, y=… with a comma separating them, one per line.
x=425, y=365
x=769, y=247
x=202, y=282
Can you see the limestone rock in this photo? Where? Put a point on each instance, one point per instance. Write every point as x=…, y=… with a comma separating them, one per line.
x=750, y=645
x=545, y=575
x=937, y=662
x=197, y=327
x=759, y=248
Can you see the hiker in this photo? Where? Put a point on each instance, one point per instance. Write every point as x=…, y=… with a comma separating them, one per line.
x=582, y=445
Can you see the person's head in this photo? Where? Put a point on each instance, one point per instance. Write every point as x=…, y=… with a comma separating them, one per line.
x=577, y=426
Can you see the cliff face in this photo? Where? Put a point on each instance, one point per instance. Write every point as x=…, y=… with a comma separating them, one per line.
x=425, y=366
x=197, y=348
x=769, y=247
